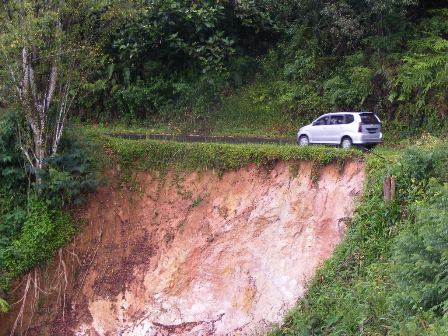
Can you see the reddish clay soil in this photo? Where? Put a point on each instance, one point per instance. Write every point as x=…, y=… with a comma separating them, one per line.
x=198, y=254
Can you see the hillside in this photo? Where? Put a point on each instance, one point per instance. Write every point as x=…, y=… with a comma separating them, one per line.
x=150, y=182
x=266, y=67
x=197, y=253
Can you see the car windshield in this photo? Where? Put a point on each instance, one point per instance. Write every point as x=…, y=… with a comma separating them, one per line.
x=369, y=118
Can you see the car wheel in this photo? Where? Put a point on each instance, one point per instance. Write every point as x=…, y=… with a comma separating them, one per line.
x=304, y=141
x=346, y=143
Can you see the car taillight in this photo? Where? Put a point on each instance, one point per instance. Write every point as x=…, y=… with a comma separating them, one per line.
x=360, y=128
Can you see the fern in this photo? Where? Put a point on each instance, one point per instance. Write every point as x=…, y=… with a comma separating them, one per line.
x=424, y=70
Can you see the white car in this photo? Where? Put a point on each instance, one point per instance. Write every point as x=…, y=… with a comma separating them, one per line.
x=343, y=128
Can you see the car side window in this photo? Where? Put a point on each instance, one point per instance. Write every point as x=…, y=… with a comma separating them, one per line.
x=337, y=120
x=349, y=119
x=321, y=121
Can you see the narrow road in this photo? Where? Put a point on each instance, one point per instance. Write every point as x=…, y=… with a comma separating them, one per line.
x=205, y=138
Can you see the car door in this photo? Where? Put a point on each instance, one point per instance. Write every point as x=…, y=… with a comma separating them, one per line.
x=318, y=132
x=335, y=128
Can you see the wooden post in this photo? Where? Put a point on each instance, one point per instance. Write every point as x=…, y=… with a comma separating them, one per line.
x=386, y=189
x=393, y=181
x=389, y=188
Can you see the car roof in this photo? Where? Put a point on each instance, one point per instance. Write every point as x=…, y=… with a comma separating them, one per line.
x=332, y=113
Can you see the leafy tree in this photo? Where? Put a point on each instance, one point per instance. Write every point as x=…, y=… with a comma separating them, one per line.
x=47, y=49
x=184, y=52
x=343, y=26
x=423, y=74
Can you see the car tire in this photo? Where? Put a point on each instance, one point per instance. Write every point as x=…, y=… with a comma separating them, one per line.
x=303, y=141
x=346, y=142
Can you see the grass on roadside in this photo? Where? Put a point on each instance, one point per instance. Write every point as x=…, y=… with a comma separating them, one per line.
x=160, y=155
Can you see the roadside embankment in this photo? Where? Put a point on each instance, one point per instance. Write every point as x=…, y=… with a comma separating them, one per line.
x=188, y=239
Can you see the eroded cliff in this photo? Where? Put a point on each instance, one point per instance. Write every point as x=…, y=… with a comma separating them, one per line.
x=199, y=253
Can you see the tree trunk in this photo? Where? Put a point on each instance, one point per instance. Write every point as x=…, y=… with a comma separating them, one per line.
x=36, y=102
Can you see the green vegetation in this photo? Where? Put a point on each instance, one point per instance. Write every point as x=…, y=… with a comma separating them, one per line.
x=47, y=50
x=265, y=67
x=196, y=202
x=404, y=83
x=390, y=274
x=259, y=67
x=33, y=224
x=4, y=307
x=42, y=233
x=180, y=55
x=160, y=155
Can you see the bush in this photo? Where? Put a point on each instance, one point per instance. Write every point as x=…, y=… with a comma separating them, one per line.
x=33, y=224
x=350, y=90
x=422, y=77
x=12, y=215
x=42, y=233
x=158, y=155
x=71, y=174
x=4, y=307
x=421, y=257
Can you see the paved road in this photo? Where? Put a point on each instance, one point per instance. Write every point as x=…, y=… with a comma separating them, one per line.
x=206, y=138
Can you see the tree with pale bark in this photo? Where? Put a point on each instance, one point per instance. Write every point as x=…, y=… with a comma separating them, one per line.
x=48, y=48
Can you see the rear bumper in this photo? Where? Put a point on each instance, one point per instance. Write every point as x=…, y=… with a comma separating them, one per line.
x=360, y=138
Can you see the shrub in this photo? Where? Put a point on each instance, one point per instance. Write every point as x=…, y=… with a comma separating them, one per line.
x=12, y=172
x=43, y=232
x=33, y=224
x=350, y=89
x=158, y=155
x=71, y=173
x=421, y=256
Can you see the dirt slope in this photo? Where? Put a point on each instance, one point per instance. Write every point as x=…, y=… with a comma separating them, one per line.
x=199, y=254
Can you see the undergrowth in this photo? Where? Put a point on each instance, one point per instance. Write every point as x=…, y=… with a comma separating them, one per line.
x=43, y=231
x=160, y=155
x=34, y=222
x=389, y=277
x=318, y=63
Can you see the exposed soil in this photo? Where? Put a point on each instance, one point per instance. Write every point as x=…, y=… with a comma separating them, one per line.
x=199, y=254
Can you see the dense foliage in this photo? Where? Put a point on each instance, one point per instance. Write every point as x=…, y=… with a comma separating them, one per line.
x=265, y=66
x=390, y=275
x=398, y=72
x=181, y=51
x=33, y=224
